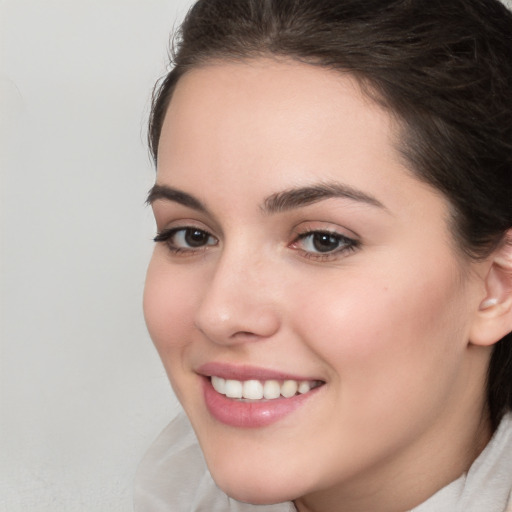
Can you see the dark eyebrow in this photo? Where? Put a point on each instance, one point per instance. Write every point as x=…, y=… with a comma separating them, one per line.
x=171, y=194
x=303, y=196
x=278, y=202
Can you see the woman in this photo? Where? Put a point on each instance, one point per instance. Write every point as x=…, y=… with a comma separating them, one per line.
x=331, y=288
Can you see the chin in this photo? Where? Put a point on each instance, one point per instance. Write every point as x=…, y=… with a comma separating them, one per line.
x=251, y=488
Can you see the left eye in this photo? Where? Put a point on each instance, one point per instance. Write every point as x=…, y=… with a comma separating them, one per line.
x=324, y=242
x=192, y=238
x=186, y=239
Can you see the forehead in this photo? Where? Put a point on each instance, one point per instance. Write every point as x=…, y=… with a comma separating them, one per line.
x=241, y=109
x=270, y=91
x=279, y=80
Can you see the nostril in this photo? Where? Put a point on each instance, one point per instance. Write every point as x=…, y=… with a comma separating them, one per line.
x=246, y=336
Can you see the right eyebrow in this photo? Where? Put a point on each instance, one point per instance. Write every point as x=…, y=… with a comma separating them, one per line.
x=303, y=196
x=172, y=194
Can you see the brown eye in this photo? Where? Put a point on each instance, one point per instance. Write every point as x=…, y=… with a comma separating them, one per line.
x=194, y=237
x=186, y=239
x=324, y=242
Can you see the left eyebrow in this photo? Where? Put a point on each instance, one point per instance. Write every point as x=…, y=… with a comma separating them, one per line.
x=303, y=196
x=171, y=194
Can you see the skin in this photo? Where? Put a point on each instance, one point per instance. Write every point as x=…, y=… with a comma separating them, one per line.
x=385, y=324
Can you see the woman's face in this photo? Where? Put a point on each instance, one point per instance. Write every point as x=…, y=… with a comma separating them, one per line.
x=294, y=245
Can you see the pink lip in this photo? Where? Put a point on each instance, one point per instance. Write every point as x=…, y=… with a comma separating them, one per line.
x=228, y=371
x=249, y=414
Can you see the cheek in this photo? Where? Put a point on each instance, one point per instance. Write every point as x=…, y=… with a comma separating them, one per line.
x=168, y=303
x=388, y=340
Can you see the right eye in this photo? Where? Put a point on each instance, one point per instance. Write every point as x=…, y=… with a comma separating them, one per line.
x=186, y=239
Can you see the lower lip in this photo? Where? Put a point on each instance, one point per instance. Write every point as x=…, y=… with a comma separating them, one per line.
x=242, y=414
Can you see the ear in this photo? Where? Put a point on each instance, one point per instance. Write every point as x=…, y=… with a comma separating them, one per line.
x=493, y=319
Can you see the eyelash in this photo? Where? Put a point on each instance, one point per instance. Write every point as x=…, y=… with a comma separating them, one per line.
x=166, y=236
x=345, y=244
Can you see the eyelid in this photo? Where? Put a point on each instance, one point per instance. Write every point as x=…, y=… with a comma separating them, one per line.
x=165, y=223
x=324, y=227
x=168, y=214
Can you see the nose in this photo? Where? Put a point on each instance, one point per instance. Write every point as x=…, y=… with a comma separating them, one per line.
x=239, y=304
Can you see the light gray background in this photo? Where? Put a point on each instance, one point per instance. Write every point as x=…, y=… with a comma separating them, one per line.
x=82, y=391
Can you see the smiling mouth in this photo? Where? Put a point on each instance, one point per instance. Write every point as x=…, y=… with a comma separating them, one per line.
x=262, y=389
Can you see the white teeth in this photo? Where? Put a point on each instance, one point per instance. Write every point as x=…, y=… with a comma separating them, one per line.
x=304, y=387
x=289, y=388
x=233, y=389
x=256, y=390
x=219, y=384
x=252, y=389
x=271, y=389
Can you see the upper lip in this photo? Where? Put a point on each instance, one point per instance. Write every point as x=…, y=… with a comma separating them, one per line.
x=247, y=372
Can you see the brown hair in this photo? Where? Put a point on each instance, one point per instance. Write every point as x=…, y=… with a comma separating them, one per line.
x=442, y=67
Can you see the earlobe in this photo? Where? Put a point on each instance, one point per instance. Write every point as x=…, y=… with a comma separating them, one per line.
x=493, y=319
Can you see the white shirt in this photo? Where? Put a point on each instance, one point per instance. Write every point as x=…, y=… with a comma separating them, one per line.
x=173, y=477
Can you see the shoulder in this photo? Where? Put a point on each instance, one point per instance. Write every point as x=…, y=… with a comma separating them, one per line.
x=487, y=486
x=503, y=438
x=172, y=471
